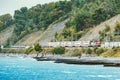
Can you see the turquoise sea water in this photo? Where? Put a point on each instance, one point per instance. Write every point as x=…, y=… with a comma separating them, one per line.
x=30, y=69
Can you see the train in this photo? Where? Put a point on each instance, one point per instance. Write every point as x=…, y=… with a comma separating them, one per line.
x=75, y=44
x=110, y=44
x=72, y=44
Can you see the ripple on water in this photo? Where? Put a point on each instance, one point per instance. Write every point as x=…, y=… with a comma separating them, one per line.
x=30, y=69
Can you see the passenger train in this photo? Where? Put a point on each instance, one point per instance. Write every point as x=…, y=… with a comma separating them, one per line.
x=73, y=44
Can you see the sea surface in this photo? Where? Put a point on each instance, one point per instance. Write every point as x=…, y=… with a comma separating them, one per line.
x=18, y=68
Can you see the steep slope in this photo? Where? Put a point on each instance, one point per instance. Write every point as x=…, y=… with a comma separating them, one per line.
x=30, y=39
x=49, y=34
x=93, y=34
x=5, y=34
x=41, y=36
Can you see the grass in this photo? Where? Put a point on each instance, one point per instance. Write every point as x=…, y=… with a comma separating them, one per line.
x=111, y=52
x=71, y=52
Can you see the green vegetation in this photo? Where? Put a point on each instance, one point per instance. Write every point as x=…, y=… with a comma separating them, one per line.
x=117, y=29
x=38, y=48
x=89, y=51
x=112, y=52
x=89, y=13
x=103, y=52
x=38, y=17
x=103, y=34
x=116, y=33
x=59, y=50
x=28, y=50
x=100, y=51
x=5, y=21
x=111, y=36
x=10, y=50
x=74, y=52
x=0, y=48
x=82, y=15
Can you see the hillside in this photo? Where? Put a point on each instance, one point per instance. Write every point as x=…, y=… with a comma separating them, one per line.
x=85, y=15
x=39, y=17
x=5, y=34
x=49, y=34
x=30, y=39
x=93, y=34
x=82, y=14
x=41, y=36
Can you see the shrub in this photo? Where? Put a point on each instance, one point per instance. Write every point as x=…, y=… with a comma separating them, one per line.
x=77, y=52
x=0, y=49
x=59, y=50
x=38, y=48
x=107, y=28
x=99, y=51
x=28, y=50
x=117, y=28
x=95, y=49
x=89, y=51
x=83, y=50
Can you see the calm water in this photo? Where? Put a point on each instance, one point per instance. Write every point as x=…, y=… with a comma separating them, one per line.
x=30, y=69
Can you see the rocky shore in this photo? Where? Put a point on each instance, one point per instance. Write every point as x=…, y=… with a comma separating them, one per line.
x=115, y=62
x=91, y=61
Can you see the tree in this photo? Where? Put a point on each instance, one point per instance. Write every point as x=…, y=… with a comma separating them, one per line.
x=38, y=49
x=0, y=48
x=5, y=21
x=59, y=50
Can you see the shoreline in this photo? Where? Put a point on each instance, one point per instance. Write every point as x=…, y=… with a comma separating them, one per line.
x=112, y=62
x=115, y=62
x=106, y=62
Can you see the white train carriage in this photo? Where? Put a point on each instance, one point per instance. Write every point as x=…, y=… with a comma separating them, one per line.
x=63, y=44
x=111, y=44
x=76, y=43
x=85, y=44
x=54, y=44
x=68, y=44
x=19, y=46
x=73, y=44
x=51, y=44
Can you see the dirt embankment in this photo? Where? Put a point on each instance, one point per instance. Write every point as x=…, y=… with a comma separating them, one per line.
x=49, y=34
x=5, y=34
x=93, y=34
x=41, y=36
